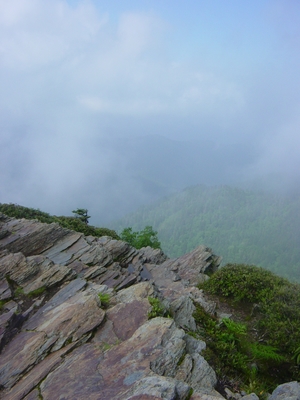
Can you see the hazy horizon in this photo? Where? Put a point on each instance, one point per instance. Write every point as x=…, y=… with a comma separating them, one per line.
x=107, y=105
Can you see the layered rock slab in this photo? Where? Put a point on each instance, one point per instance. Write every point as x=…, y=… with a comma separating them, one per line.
x=71, y=315
x=36, y=375
x=20, y=355
x=91, y=373
x=34, y=272
x=29, y=237
x=77, y=347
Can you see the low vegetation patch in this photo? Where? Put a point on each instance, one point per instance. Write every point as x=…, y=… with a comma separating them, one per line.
x=263, y=348
x=2, y=303
x=143, y=238
x=77, y=223
x=158, y=309
x=37, y=292
x=105, y=299
x=18, y=291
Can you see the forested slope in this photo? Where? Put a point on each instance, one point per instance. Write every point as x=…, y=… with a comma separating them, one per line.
x=240, y=225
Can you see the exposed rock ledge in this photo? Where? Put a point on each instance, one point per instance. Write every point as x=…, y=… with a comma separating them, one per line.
x=56, y=340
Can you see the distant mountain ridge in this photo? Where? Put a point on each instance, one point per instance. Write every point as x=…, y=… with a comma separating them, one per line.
x=244, y=226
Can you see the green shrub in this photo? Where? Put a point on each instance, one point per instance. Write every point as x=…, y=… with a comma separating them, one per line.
x=276, y=299
x=223, y=340
x=105, y=299
x=296, y=355
x=236, y=328
x=16, y=211
x=144, y=238
x=272, y=336
x=244, y=283
x=264, y=352
x=158, y=309
x=232, y=351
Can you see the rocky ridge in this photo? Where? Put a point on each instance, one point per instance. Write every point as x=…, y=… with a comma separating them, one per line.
x=58, y=339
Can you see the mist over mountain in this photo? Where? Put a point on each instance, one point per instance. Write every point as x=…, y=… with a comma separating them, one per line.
x=112, y=105
x=242, y=226
x=149, y=167
x=175, y=164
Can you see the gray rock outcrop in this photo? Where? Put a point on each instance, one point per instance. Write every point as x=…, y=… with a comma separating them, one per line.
x=60, y=339
x=286, y=391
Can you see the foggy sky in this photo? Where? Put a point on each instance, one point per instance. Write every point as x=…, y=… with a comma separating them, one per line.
x=85, y=85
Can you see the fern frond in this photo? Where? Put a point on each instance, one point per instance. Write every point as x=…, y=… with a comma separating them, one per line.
x=265, y=352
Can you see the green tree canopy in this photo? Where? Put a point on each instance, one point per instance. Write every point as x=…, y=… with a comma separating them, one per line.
x=82, y=214
x=144, y=238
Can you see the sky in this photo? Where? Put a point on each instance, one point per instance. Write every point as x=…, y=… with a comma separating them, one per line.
x=83, y=81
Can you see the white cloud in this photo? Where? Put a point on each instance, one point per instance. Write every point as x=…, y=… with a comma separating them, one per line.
x=37, y=33
x=132, y=107
x=14, y=12
x=282, y=151
x=71, y=74
x=135, y=32
x=53, y=54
